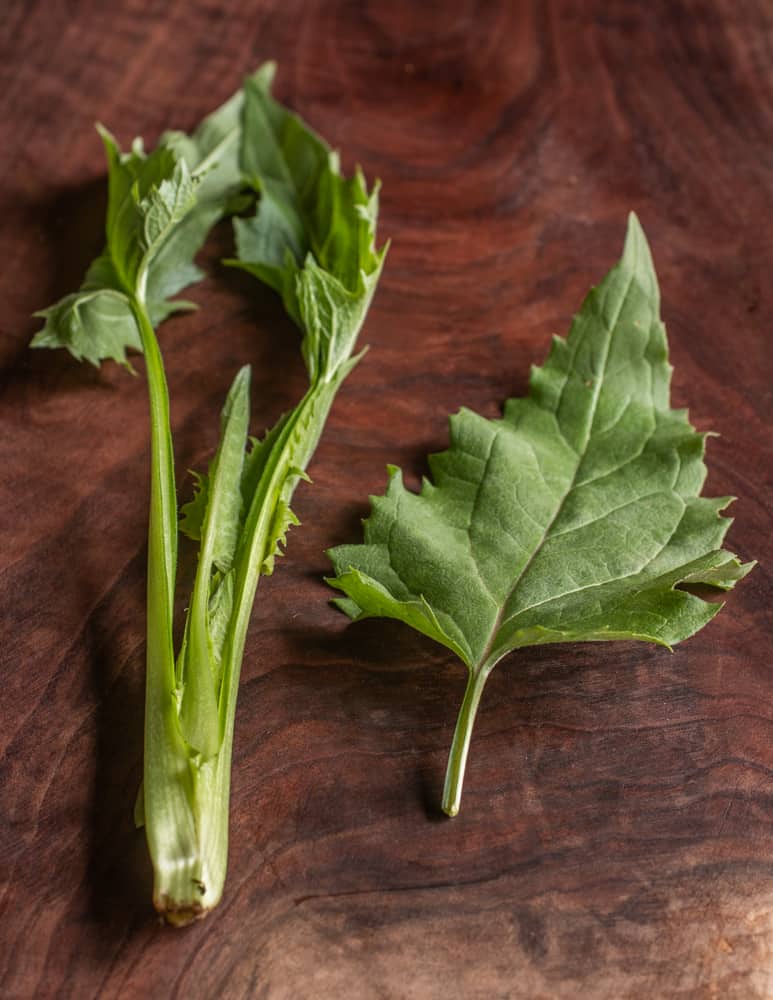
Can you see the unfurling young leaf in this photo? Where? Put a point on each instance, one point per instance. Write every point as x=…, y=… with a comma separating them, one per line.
x=573, y=518
x=161, y=207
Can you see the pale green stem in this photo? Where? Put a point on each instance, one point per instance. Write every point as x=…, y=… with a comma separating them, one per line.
x=457, y=759
x=168, y=778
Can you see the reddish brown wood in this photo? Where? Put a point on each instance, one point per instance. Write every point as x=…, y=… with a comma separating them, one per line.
x=616, y=836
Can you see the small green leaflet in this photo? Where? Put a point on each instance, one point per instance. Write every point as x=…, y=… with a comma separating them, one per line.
x=573, y=518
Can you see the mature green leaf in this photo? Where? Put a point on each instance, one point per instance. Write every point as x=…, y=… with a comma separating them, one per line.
x=573, y=518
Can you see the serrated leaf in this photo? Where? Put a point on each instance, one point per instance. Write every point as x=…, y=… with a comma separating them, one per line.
x=92, y=325
x=331, y=317
x=258, y=454
x=212, y=155
x=312, y=238
x=284, y=518
x=193, y=512
x=573, y=518
x=160, y=208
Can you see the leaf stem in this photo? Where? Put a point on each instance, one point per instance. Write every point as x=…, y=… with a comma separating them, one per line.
x=169, y=781
x=162, y=533
x=457, y=759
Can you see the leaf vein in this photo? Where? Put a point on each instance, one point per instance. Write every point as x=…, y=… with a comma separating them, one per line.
x=491, y=641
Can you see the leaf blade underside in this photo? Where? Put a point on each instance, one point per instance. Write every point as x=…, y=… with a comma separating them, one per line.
x=572, y=518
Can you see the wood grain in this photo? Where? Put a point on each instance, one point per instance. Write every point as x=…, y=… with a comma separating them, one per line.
x=616, y=838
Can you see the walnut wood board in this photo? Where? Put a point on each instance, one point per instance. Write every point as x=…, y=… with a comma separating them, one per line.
x=616, y=832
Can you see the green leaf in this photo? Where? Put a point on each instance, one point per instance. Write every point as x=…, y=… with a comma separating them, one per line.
x=220, y=610
x=256, y=460
x=160, y=208
x=212, y=154
x=92, y=325
x=224, y=502
x=312, y=238
x=284, y=160
x=575, y=517
x=212, y=151
x=218, y=530
x=331, y=317
x=270, y=246
x=280, y=153
x=147, y=197
x=192, y=514
x=284, y=518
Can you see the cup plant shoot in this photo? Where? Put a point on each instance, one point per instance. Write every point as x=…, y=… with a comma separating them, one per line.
x=311, y=237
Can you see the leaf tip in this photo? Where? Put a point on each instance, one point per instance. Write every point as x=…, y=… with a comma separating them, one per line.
x=264, y=75
x=634, y=236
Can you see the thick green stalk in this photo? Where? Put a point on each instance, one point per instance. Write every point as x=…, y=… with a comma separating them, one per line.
x=186, y=797
x=169, y=781
x=188, y=837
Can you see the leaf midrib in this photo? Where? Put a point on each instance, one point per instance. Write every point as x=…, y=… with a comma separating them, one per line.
x=482, y=663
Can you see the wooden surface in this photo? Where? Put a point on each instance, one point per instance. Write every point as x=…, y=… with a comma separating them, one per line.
x=616, y=834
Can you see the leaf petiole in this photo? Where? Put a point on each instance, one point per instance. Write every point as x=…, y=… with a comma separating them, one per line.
x=460, y=745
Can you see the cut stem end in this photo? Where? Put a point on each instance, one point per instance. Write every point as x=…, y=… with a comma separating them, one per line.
x=457, y=759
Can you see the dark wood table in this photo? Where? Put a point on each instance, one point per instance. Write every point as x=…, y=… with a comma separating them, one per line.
x=616, y=836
